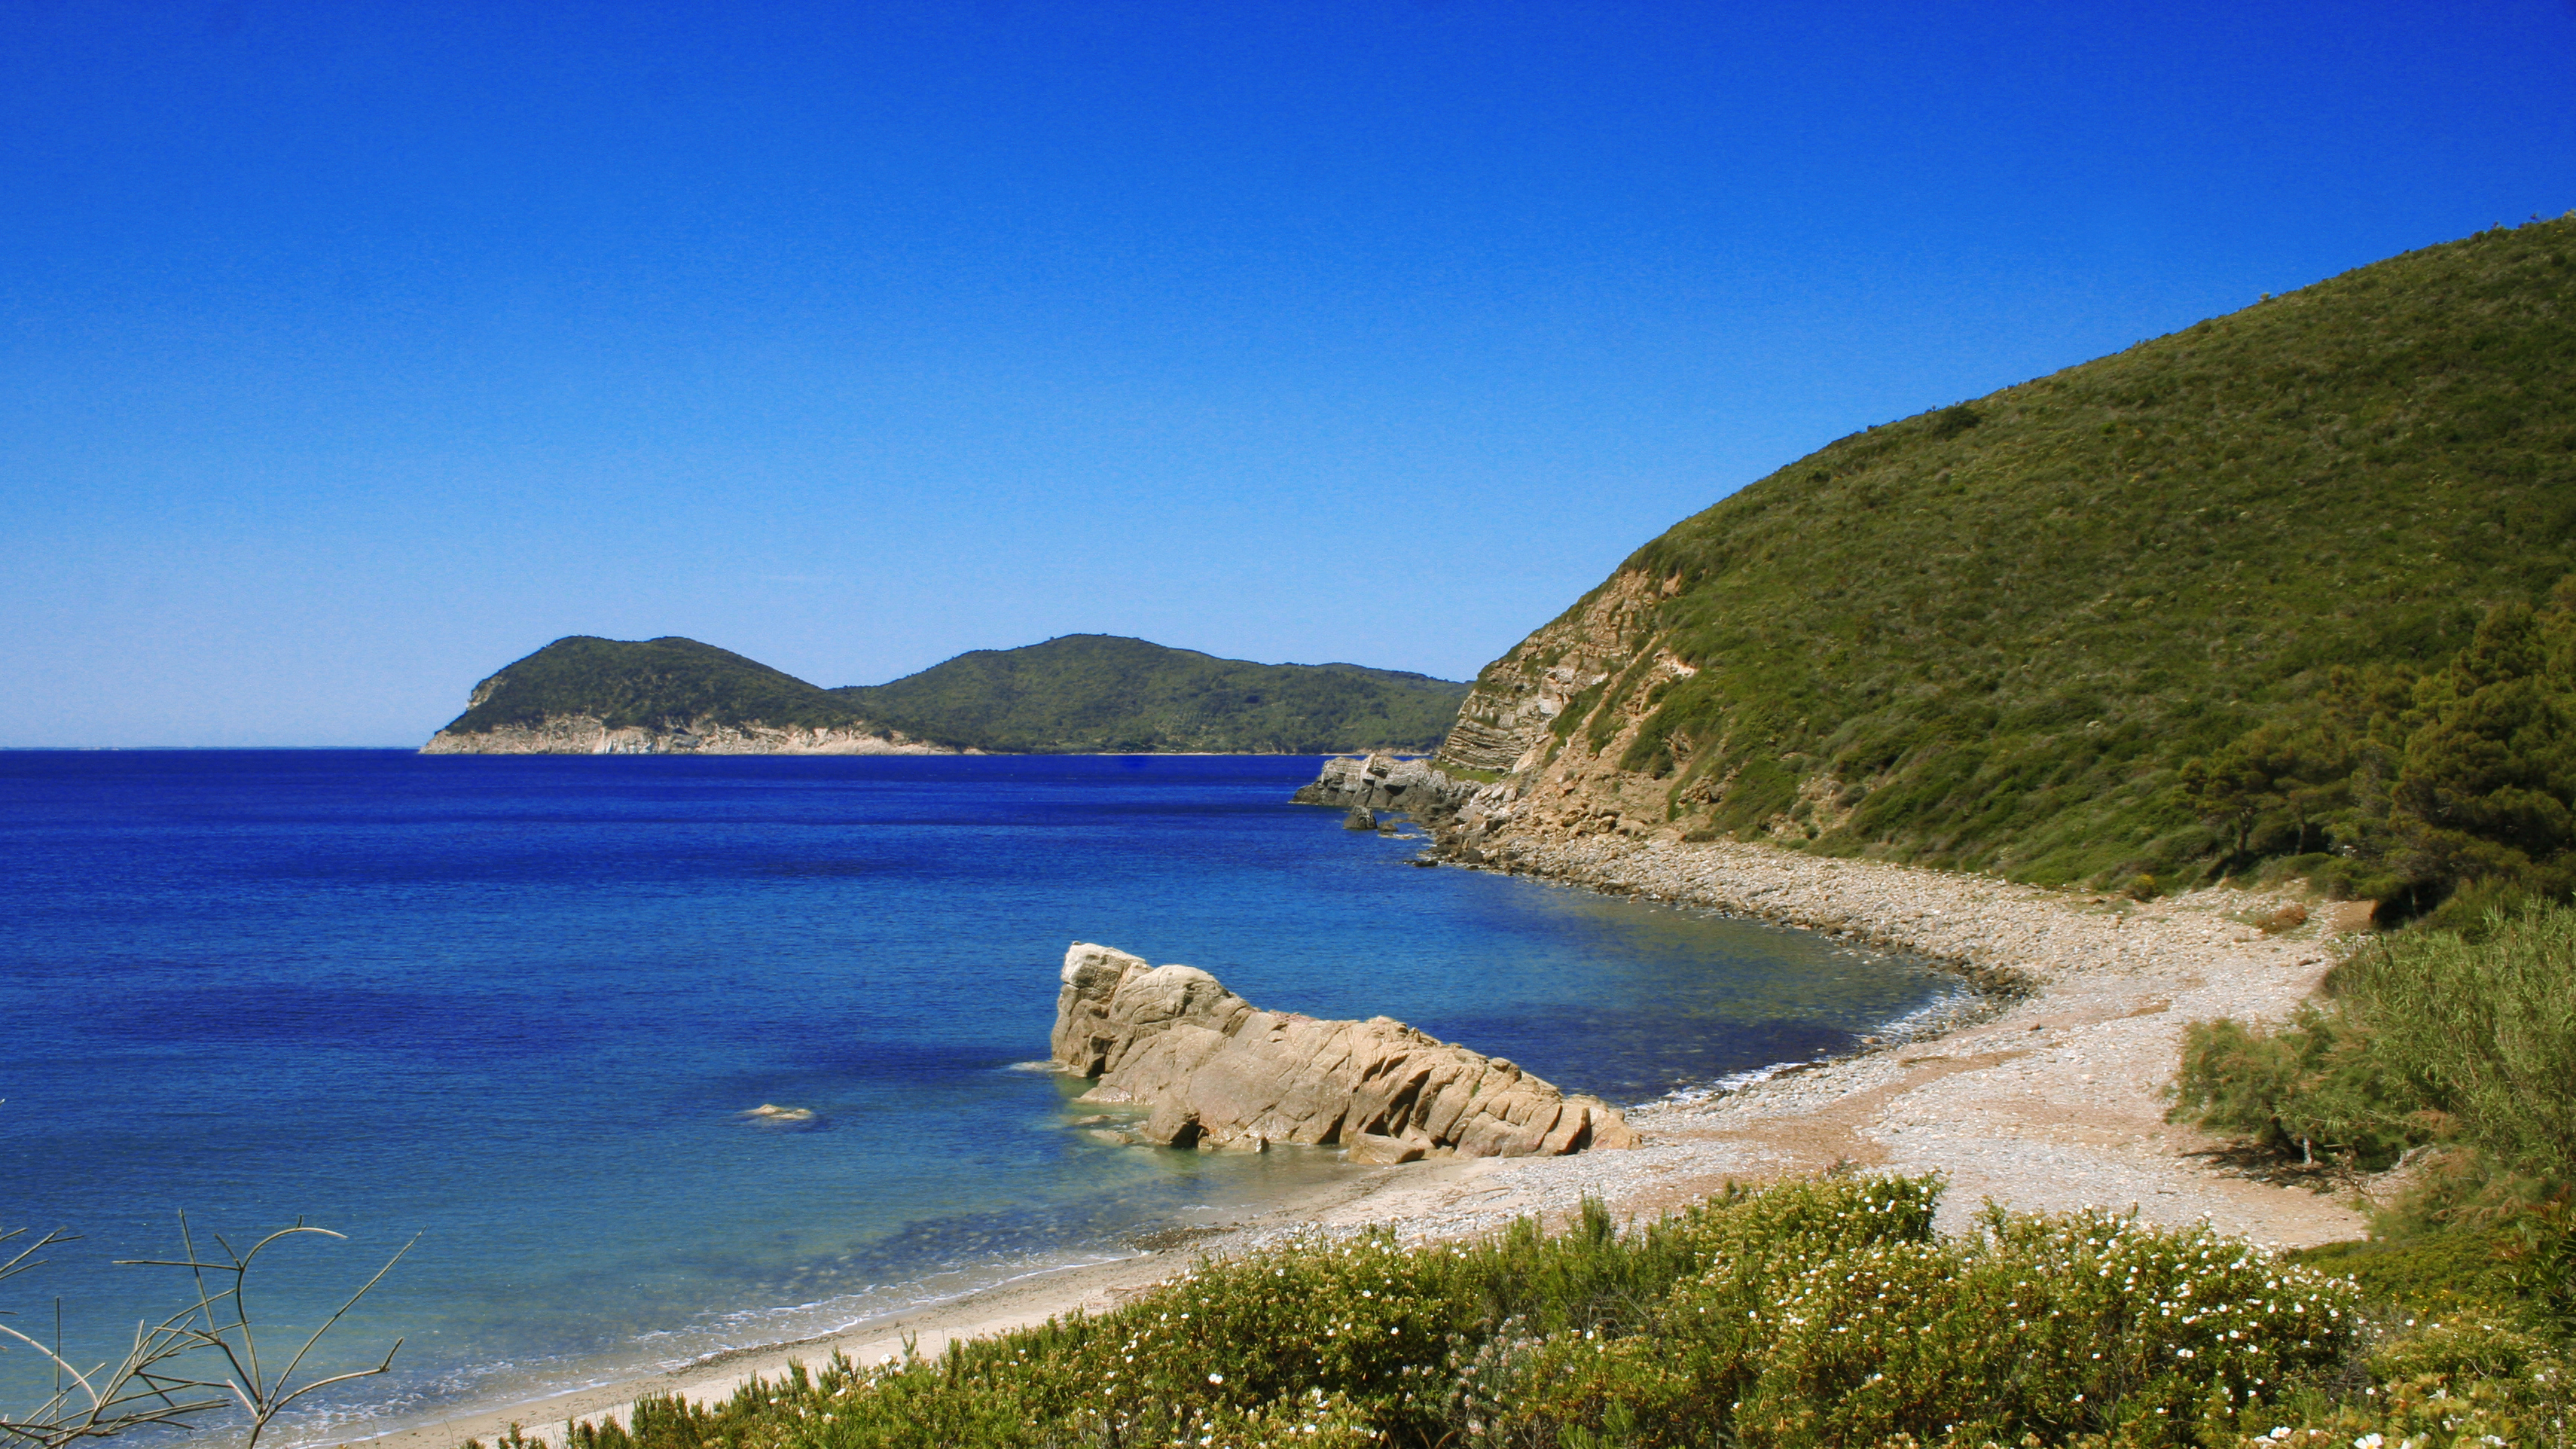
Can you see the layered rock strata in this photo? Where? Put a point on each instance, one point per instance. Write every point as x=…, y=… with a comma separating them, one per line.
x=578, y=734
x=1387, y=782
x=1219, y=1073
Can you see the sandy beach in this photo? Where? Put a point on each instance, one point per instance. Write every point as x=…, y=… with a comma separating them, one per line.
x=2049, y=1102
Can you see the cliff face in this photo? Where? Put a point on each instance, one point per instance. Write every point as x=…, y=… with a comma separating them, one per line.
x=582, y=734
x=1219, y=1073
x=1384, y=782
x=1553, y=787
x=1605, y=663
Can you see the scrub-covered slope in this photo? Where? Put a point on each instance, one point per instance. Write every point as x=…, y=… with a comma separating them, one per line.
x=1995, y=635
x=1101, y=693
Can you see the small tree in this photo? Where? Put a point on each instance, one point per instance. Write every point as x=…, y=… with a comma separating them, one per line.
x=2229, y=790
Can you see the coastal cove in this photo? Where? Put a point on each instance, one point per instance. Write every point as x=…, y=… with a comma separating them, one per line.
x=2051, y=1103
x=522, y=1006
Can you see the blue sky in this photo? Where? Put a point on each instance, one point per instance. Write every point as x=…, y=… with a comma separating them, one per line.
x=348, y=352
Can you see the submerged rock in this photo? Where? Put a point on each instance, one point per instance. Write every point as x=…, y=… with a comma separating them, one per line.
x=1221, y=1074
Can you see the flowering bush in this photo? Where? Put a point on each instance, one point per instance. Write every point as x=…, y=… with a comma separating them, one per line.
x=1809, y=1314
x=1864, y=1329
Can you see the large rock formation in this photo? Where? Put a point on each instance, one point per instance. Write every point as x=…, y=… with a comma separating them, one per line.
x=1387, y=782
x=1220, y=1073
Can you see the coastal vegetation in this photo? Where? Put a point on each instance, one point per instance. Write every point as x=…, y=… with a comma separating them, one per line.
x=1097, y=693
x=630, y=685
x=1812, y=1313
x=2277, y=595
x=2458, y=1049
x=1085, y=693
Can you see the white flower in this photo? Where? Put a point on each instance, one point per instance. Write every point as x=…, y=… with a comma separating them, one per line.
x=2280, y=1431
x=2368, y=1441
x=1216, y=1378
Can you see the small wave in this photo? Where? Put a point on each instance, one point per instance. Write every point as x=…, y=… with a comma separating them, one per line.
x=1049, y=1068
x=1729, y=1084
x=1944, y=1014
x=1933, y=1018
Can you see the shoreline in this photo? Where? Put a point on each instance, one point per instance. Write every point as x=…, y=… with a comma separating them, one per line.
x=2046, y=1098
x=1024, y=1301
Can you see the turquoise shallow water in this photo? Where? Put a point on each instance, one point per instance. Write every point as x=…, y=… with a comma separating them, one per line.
x=514, y=1006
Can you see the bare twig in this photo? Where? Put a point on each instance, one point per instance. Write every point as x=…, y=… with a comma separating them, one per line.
x=156, y=1380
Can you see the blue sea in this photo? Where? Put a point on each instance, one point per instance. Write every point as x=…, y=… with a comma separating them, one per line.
x=513, y=1007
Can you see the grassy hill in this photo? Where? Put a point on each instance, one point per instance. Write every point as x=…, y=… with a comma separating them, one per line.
x=1083, y=692
x=1097, y=692
x=2184, y=609
x=629, y=685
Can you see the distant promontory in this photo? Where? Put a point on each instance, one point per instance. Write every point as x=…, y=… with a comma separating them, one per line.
x=1078, y=694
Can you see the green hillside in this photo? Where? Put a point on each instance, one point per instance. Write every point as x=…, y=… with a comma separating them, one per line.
x=630, y=685
x=1083, y=692
x=1097, y=692
x=1997, y=634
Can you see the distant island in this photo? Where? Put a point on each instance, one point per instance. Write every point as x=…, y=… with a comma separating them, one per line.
x=1078, y=694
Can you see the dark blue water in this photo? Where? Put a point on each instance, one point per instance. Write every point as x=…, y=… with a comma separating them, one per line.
x=514, y=1006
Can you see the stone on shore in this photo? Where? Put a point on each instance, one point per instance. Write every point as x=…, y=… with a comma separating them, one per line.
x=1360, y=818
x=1220, y=1074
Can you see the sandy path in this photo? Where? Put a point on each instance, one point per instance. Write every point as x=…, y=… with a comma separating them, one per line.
x=2052, y=1105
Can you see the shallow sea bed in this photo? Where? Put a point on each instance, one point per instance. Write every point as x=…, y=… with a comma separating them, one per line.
x=521, y=1006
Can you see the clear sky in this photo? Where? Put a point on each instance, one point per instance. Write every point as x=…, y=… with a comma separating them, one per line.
x=351, y=351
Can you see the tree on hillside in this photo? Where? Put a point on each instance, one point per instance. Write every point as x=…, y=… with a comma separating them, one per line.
x=2299, y=770
x=2487, y=790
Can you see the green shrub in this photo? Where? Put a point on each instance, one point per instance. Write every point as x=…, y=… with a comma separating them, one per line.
x=2429, y=1036
x=1809, y=1314
x=2483, y=1031
x=2054, y=1326
x=2313, y=1086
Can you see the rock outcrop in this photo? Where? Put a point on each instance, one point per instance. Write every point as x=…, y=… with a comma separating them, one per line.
x=1554, y=784
x=1386, y=782
x=1219, y=1073
x=582, y=734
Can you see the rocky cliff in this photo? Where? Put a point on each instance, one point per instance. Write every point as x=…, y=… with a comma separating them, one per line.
x=1387, y=782
x=586, y=734
x=1219, y=1073
x=1558, y=718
